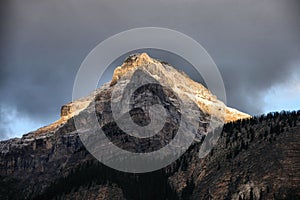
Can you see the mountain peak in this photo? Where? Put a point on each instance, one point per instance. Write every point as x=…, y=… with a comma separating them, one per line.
x=166, y=75
x=130, y=64
x=179, y=82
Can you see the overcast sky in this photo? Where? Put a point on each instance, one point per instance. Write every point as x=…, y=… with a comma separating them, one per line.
x=255, y=44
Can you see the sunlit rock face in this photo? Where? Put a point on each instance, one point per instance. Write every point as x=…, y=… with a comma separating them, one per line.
x=180, y=83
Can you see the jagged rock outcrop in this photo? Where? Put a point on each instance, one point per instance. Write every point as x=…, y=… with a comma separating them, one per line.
x=257, y=158
x=180, y=83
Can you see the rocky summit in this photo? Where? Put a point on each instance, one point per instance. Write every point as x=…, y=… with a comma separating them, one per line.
x=255, y=157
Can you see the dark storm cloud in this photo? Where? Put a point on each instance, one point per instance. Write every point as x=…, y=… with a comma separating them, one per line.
x=254, y=43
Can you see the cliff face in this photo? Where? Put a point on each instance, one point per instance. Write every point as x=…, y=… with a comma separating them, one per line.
x=257, y=158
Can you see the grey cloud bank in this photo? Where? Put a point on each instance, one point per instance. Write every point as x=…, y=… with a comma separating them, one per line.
x=255, y=44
